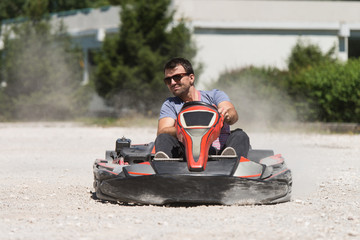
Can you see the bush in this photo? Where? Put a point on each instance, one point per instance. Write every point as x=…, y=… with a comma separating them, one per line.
x=317, y=87
x=305, y=54
x=328, y=92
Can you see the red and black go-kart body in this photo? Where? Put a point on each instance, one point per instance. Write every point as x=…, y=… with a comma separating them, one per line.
x=133, y=173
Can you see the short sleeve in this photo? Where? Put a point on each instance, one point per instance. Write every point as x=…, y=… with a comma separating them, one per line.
x=219, y=96
x=171, y=107
x=167, y=110
x=214, y=96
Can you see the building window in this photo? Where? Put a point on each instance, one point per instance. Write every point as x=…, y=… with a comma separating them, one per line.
x=354, y=47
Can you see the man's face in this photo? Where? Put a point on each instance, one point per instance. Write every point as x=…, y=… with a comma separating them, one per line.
x=180, y=85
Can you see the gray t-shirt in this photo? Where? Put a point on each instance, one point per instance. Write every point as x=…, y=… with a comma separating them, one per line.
x=172, y=106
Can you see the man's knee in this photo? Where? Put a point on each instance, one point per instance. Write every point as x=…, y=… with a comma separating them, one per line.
x=165, y=137
x=240, y=141
x=169, y=145
x=240, y=135
x=162, y=136
x=165, y=141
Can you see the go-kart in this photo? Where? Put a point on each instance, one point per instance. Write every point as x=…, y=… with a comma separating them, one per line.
x=136, y=174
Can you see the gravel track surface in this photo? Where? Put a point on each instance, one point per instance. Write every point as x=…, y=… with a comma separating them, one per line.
x=46, y=190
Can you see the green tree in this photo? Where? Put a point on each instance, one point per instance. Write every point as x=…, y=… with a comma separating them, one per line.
x=129, y=71
x=11, y=9
x=41, y=70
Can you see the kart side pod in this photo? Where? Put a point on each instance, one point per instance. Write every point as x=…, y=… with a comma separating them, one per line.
x=198, y=124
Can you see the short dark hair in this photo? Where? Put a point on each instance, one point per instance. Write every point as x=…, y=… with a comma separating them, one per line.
x=172, y=63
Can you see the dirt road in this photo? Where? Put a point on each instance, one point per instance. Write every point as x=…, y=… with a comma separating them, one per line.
x=46, y=184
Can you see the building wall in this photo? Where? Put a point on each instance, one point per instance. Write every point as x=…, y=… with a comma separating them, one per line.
x=225, y=52
x=89, y=22
x=268, y=11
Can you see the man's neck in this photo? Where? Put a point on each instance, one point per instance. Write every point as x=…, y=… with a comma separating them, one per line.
x=191, y=96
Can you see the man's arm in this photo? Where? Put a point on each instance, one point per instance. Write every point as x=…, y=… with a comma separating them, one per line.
x=227, y=109
x=166, y=125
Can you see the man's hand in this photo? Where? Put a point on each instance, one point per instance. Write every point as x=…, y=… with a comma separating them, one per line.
x=227, y=109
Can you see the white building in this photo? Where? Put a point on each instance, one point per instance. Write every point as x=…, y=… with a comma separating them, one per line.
x=237, y=33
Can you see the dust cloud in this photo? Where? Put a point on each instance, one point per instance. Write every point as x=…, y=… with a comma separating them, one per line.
x=259, y=111
x=271, y=123
x=43, y=76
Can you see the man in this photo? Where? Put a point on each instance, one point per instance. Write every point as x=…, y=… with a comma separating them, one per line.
x=180, y=79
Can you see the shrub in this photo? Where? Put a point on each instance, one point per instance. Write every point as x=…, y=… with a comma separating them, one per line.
x=305, y=54
x=328, y=92
x=317, y=87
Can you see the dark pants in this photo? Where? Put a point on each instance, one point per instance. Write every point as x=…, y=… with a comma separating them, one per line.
x=238, y=140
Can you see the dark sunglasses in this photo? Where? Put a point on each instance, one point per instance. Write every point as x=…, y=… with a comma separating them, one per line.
x=176, y=77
